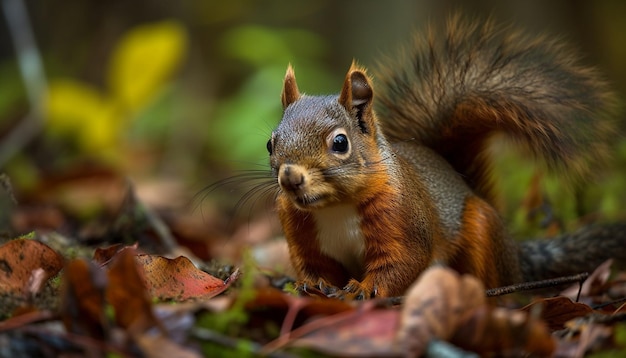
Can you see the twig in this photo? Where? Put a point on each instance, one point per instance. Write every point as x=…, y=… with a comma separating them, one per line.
x=31, y=68
x=526, y=286
x=504, y=290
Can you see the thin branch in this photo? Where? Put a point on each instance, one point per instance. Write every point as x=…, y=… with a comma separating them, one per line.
x=32, y=71
x=526, y=286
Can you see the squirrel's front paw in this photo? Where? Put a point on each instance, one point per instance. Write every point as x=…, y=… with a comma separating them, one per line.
x=316, y=288
x=359, y=290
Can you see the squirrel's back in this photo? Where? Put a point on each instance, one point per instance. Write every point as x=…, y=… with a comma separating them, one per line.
x=369, y=200
x=455, y=88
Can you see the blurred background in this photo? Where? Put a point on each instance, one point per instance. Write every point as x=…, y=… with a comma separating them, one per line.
x=176, y=95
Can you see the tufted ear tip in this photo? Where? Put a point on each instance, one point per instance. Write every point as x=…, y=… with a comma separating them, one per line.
x=290, y=92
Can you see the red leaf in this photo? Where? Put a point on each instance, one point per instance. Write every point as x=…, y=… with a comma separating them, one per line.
x=178, y=279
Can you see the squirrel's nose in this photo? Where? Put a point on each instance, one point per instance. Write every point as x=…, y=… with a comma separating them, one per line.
x=291, y=177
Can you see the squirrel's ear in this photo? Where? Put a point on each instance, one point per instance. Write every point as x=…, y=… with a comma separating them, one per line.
x=357, y=94
x=290, y=88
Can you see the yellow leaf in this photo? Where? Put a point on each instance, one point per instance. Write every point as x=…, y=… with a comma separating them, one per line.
x=80, y=113
x=70, y=104
x=143, y=60
x=102, y=133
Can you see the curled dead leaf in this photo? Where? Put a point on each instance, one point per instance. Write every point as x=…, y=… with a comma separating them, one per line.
x=443, y=305
x=435, y=306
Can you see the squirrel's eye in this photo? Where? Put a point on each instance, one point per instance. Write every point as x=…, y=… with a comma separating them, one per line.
x=340, y=143
x=269, y=146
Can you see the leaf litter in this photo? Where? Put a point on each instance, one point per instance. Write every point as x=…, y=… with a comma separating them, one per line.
x=117, y=279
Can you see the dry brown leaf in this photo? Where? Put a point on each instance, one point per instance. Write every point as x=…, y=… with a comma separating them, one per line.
x=354, y=333
x=102, y=255
x=20, y=259
x=558, y=310
x=442, y=305
x=82, y=304
x=435, y=306
x=127, y=294
x=594, y=284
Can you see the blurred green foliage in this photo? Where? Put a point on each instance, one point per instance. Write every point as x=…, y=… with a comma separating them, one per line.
x=193, y=87
x=11, y=88
x=243, y=122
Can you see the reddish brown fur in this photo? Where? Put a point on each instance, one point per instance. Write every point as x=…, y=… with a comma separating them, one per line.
x=394, y=258
x=419, y=176
x=481, y=236
x=306, y=257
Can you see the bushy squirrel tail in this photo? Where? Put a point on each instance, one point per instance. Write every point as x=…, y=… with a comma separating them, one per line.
x=573, y=253
x=455, y=88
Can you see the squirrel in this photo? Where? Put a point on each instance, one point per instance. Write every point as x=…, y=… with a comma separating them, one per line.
x=369, y=199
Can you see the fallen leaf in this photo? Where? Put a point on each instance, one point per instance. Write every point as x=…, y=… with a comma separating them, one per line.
x=178, y=279
x=127, y=294
x=22, y=258
x=594, y=285
x=354, y=333
x=82, y=304
x=558, y=310
x=443, y=305
x=103, y=255
x=435, y=306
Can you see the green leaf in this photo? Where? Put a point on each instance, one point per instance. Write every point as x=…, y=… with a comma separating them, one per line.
x=263, y=46
x=242, y=124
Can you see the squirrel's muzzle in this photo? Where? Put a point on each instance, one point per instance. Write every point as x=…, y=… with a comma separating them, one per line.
x=291, y=177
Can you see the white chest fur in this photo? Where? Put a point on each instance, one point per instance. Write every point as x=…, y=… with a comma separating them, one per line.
x=340, y=237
